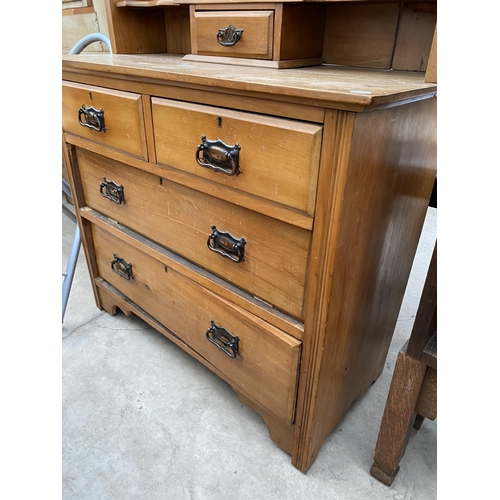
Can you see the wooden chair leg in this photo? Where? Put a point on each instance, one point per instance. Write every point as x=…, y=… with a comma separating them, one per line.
x=398, y=417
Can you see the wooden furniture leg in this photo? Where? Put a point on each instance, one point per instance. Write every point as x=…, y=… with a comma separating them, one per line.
x=399, y=415
x=413, y=393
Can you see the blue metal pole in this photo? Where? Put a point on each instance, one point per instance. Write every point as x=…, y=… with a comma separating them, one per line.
x=70, y=269
x=87, y=40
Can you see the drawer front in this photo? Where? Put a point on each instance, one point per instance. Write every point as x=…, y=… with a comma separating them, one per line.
x=262, y=361
x=275, y=253
x=119, y=125
x=273, y=158
x=235, y=34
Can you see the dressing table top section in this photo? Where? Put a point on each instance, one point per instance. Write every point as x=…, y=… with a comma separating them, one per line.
x=330, y=86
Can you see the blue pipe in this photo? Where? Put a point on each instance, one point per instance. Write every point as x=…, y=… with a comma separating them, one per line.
x=87, y=40
x=70, y=269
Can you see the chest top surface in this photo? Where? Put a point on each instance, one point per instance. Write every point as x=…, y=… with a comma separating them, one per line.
x=323, y=85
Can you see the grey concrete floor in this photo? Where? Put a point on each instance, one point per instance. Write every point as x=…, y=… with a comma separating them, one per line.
x=143, y=420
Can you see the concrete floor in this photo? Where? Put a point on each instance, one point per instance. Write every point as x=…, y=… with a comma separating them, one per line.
x=143, y=420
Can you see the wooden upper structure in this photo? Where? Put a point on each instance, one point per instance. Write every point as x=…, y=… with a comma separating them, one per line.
x=374, y=34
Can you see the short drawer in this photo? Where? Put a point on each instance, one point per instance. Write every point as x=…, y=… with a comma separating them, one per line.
x=269, y=157
x=110, y=117
x=266, y=257
x=255, y=357
x=246, y=34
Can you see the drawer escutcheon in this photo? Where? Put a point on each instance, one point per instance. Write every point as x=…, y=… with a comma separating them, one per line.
x=227, y=245
x=222, y=339
x=218, y=156
x=229, y=36
x=112, y=191
x=94, y=119
x=121, y=267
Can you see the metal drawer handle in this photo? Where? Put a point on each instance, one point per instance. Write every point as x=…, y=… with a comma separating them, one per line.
x=112, y=191
x=218, y=156
x=221, y=338
x=124, y=269
x=227, y=245
x=93, y=118
x=229, y=36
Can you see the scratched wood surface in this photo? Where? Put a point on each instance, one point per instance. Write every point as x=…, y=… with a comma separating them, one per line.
x=122, y=112
x=291, y=147
x=331, y=85
x=267, y=363
x=179, y=218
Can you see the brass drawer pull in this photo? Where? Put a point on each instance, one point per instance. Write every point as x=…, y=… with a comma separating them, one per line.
x=112, y=191
x=229, y=36
x=221, y=338
x=227, y=245
x=122, y=268
x=94, y=119
x=218, y=156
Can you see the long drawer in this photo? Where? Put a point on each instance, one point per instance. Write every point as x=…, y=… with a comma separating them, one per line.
x=256, y=357
x=273, y=158
x=274, y=255
x=109, y=117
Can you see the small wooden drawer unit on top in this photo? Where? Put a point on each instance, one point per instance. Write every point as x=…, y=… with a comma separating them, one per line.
x=265, y=220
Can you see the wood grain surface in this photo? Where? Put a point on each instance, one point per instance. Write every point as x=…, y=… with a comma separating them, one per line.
x=385, y=179
x=398, y=415
x=266, y=365
x=278, y=158
x=333, y=86
x=195, y=273
x=280, y=432
x=127, y=31
x=276, y=254
x=415, y=34
x=123, y=117
x=256, y=40
x=361, y=34
x=239, y=198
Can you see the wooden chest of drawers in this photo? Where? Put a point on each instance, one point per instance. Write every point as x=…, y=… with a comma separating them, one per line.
x=264, y=221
